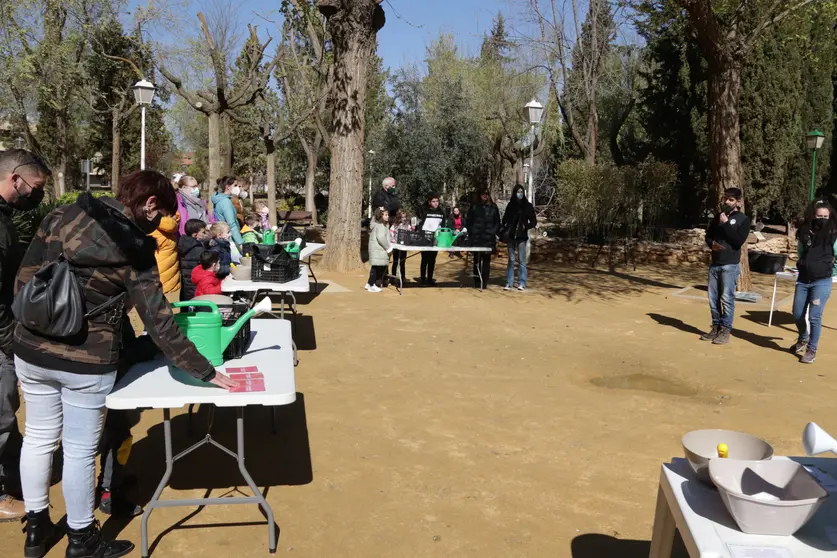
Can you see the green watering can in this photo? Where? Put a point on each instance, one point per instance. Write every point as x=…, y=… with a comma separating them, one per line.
x=445, y=237
x=204, y=329
x=269, y=237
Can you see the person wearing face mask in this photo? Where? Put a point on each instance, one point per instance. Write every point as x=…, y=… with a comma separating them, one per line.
x=189, y=203
x=518, y=220
x=22, y=179
x=238, y=194
x=386, y=197
x=65, y=380
x=223, y=202
x=725, y=236
x=817, y=249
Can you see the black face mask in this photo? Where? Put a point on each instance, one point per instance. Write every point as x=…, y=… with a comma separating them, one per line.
x=149, y=226
x=818, y=223
x=27, y=202
x=727, y=208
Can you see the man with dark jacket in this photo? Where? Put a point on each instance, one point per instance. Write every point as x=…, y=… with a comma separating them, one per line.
x=483, y=224
x=726, y=234
x=387, y=198
x=432, y=218
x=22, y=179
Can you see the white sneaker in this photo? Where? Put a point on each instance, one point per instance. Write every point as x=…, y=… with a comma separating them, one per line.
x=366, y=287
x=374, y=289
x=521, y=288
x=507, y=288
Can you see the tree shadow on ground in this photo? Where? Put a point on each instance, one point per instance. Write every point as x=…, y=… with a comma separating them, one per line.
x=758, y=340
x=575, y=284
x=282, y=458
x=594, y=545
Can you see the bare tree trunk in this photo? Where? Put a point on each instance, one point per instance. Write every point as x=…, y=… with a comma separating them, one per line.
x=270, y=157
x=353, y=25
x=226, y=146
x=725, y=139
x=116, y=150
x=214, y=149
x=312, y=156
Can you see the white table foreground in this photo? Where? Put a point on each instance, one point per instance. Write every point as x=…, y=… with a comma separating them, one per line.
x=708, y=530
x=153, y=385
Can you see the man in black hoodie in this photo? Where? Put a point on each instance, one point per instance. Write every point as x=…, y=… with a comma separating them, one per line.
x=725, y=236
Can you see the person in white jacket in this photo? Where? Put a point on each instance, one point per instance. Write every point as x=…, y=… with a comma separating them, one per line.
x=379, y=250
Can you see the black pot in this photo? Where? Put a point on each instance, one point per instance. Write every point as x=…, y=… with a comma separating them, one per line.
x=765, y=262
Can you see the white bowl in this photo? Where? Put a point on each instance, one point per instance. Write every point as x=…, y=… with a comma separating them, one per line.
x=702, y=445
x=775, y=497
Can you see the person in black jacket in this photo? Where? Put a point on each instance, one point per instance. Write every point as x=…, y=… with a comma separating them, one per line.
x=518, y=219
x=190, y=246
x=432, y=217
x=386, y=197
x=22, y=179
x=483, y=224
x=817, y=249
x=725, y=236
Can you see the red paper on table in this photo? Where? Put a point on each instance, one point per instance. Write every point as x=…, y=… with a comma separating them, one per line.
x=242, y=370
x=248, y=386
x=247, y=376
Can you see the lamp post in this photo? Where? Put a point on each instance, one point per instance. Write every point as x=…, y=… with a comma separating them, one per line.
x=815, y=140
x=535, y=111
x=369, y=209
x=143, y=94
x=20, y=143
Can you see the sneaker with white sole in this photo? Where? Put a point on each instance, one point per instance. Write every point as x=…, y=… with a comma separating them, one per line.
x=521, y=288
x=507, y=288
x=366, y=287
x=374, y=289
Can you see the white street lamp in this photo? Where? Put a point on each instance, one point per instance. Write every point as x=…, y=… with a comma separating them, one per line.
x=143, y=94
x=369, y=209
x=534, y=110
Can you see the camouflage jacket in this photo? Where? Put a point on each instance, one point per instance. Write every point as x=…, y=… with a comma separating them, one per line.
x=10, y=253
x=110, y=256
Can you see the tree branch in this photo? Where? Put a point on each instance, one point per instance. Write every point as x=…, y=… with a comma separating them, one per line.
x=193, y=100
x=771, y=20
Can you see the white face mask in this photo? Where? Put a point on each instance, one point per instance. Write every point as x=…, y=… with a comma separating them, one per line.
x=243, y=194
x=196, y=191
x=520, y=195
x=235, y=191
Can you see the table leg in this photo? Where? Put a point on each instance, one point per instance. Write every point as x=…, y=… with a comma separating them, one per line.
x=282, y=308
x=311, y=271
x=772, y=301
x=271, y=525
x=479, y=271
x=163, y=482
x=662, y=538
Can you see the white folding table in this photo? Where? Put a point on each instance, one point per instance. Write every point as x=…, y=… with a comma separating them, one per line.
x=406, y=248
x=298, y=285
x=309, y=250
x=708, y=530
x=159, y=385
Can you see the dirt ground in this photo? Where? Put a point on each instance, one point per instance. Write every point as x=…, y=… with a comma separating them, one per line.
x=449, y=422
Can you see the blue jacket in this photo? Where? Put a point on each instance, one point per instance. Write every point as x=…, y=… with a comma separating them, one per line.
x=224, y=211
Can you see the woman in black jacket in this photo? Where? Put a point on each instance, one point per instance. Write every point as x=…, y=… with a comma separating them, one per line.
x=483, y=224
x=518, y=219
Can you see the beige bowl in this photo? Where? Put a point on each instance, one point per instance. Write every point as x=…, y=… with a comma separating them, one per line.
x=775, y=497
x=702, y=445
x=246, y=262
x=242, y=273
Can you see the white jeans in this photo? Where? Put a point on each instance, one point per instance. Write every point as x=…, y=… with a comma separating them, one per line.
x=74, y=403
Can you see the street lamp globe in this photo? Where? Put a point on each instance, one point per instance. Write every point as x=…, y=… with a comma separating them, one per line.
x=534, y=110
x=20, y=143
x=815, y=139
x=144, y=92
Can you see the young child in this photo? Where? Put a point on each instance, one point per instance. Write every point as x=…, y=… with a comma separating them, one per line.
x=264, y=215
x=456, y=222
x=399, y=257
x=379, y=249
x=190, y=246
x=220, y=244
x=206, y=276
x=249, y=232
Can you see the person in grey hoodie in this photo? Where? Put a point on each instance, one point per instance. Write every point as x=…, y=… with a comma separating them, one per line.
x=379, y=249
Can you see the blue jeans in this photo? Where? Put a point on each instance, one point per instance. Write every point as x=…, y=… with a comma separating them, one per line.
x=722, y=281
x=810, y=298
x=519, y=247
x=71, y=407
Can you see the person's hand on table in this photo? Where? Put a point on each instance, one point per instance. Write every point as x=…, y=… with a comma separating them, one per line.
x=223, y=381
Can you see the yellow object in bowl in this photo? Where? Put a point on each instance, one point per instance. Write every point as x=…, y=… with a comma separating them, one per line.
x=723, y=450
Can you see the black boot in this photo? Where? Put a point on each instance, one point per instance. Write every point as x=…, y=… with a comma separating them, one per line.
x=41, y=534
x=88, y=543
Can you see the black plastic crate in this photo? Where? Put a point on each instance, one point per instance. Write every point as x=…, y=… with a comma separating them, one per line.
x=288, y=234
x=239, y=344
x=415, y=238
x=277, y=267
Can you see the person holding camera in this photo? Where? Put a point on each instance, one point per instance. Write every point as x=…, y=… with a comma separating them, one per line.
x=725, y=236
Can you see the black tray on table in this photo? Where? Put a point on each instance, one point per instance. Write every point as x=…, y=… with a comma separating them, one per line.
x=274, y=264
x=239, y=344
x=415, y=238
